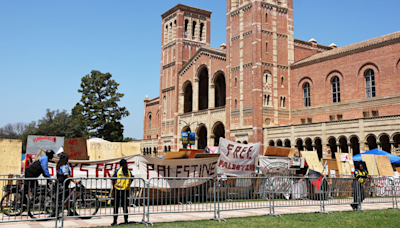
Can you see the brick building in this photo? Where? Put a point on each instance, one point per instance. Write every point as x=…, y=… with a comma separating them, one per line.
x=265, y=86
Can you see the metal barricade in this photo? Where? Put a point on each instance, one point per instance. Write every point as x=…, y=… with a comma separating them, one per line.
x=290, y=191
x=242, y=193
x=379, y=190
x=177, y=195
x=97, y=197
x=341, y=191
x=28, y=199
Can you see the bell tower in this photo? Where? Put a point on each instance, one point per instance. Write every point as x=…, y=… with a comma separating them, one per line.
x=259, y=52
x=184, y=30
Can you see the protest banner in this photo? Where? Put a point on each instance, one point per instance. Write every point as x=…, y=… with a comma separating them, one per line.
x=154, y=167
x=142, y=167
x=387, y=186
x=237, y=159
x=36, y=142
x=76, y=149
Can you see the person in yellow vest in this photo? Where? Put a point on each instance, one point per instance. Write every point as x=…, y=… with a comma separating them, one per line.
x=121, y=190
x=358, y=188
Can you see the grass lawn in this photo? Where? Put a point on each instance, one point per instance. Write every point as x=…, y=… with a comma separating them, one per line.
x=378, y=218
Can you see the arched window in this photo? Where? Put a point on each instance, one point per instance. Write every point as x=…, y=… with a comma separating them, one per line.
x=235, y=82
x=193, y=29
x=188, y=98
x=201, y=31
x=235, y=103
x=370, y=83
x=186, y=28
x=283, y=99
x=335, y=89
x=149, y=121
x=306, y=94
x=265, y=99
x=220, y=90
x=266, y=18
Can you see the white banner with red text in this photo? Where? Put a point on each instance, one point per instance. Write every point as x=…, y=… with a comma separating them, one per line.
x=142, y=167
x=237, y=159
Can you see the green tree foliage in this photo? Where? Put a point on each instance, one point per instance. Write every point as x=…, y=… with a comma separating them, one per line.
x=98, y=110
x=56, y=123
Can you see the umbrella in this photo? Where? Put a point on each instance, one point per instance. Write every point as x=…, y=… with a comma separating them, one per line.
x=393, y=158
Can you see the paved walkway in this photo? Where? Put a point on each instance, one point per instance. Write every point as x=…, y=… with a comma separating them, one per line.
x=170, y=217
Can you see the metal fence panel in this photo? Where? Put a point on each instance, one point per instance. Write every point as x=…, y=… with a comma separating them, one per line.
x=27, y=199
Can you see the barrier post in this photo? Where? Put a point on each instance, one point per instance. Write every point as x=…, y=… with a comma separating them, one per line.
x=147, y=185
x=56, y=203
x=216, y=201
x=272, y=194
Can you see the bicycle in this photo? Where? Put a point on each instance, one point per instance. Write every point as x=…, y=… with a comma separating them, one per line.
x=12, y=202
x=80, y=199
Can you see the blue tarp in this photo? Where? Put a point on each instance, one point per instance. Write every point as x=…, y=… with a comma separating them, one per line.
x=393, y=158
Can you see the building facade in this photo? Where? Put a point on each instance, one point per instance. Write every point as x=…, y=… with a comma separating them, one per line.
x=265, y=86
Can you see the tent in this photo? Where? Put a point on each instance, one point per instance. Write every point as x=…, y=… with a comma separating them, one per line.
x=393, y=158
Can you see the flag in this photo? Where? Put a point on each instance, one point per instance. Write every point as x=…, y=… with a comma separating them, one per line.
x=315, y=178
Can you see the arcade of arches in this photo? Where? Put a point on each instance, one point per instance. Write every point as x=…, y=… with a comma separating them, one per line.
x=342, y=144
x=203, y=136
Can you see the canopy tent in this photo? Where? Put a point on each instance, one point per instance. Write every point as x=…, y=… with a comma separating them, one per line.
x=393, y=158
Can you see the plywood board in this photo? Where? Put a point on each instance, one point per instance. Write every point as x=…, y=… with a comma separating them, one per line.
x=384, y=165
x=277, y=151
x=312, y=160
x=76, y=149
x=104, y=150
x=206, y=155
x=371, y=165
x=177, y=155
x=339, y=164
x=332, y=165
x=294, y=152
x=10, y=154
x=130, y=148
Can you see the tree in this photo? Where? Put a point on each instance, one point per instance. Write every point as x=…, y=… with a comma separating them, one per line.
x=98, y=110
x=56, y=123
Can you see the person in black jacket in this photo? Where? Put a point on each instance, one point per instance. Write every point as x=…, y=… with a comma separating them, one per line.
x=34, y=171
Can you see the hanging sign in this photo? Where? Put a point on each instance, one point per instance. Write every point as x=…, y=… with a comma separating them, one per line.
x=192, y=138
x=237, y=159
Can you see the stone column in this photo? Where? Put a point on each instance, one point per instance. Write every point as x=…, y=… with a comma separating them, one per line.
x=350, y=149
x=211, y=96
x=189, y=30
x=181, y=103
x=196, y=95
x=379, y=144
x=211, y=140
x=391, y=146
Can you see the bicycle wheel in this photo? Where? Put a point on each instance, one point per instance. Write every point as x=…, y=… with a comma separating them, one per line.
x=11, y=204
x=86, y=204
x=40, y=206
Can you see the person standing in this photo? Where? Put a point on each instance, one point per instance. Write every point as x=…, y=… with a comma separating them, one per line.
x=34, y=171
x=121, y=190
x=358, y=188
x=63, y=173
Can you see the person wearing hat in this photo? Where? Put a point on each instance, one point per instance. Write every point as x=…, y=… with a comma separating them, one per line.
x=121, y=190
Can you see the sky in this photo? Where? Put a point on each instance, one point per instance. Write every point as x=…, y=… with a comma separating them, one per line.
x=46, y=46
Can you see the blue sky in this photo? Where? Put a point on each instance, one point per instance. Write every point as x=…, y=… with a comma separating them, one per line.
x=47, y=46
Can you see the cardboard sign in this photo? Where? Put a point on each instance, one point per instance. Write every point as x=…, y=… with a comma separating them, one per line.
x=36, y=142
x=76, y=149
x=237, y=159
x=277, y=151
x=387, y=186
